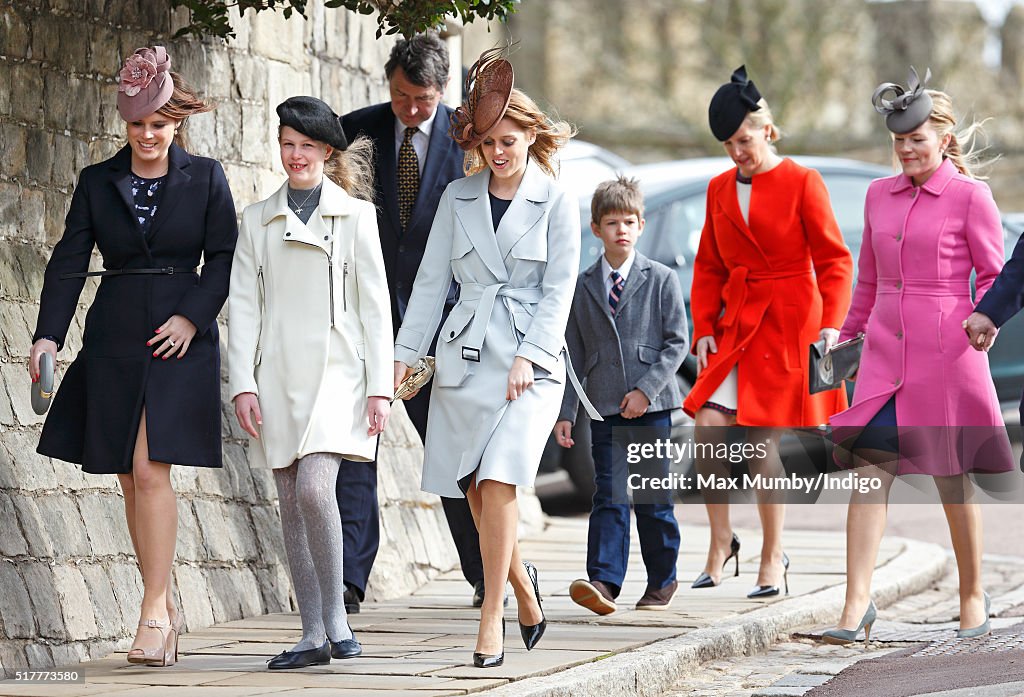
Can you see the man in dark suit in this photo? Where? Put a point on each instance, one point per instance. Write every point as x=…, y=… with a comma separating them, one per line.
x=415, y=160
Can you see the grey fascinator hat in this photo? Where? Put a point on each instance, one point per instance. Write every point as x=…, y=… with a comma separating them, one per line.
x=904, y=109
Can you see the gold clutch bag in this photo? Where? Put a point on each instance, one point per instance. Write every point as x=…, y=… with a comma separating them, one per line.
x=422, y=371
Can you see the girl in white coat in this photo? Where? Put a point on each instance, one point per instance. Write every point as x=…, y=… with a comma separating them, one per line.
x=310, y=353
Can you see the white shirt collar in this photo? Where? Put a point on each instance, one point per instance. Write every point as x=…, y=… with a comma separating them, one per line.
x=425, y=128
x=623, y=270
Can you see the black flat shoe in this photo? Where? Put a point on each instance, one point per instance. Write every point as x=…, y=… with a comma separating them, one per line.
x=706, y=581
x=287, y=660
x=346, y=648
x=486, y=660
x=532, y=634
x=769, y=591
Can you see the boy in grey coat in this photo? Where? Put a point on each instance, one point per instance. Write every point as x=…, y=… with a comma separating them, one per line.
x=627, y=337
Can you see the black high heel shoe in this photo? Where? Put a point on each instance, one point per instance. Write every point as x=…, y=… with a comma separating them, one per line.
x=706, y=581
x=486, y=660
x=768, y=591
x=532, y=634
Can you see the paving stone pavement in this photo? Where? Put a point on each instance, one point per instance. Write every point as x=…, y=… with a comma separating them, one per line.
x=799, y=663
x=421, y=644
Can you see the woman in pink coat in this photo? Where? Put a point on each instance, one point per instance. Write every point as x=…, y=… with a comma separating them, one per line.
x=924, y=401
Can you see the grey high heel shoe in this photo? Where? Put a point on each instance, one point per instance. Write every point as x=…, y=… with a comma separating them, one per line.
x=983, y=628
x=848, y=636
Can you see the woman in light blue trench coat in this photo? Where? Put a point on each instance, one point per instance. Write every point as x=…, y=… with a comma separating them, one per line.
x=510, y=237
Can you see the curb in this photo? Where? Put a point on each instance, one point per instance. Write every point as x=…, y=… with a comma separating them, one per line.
x=651, y=670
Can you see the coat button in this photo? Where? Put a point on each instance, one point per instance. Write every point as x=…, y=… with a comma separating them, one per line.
x=766, y=356
x=451, y=335
x=899, y=285
x=287, y=234
x=913, y=194
x=401, y=248
x=326, y=238
x=897, y=382
x=899, y=335
x=899, y=237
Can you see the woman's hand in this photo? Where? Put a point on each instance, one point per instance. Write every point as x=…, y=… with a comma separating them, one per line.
x=830, y=336
x=402, y=371
x=378, y=411
x=704, y=345
x=520, y=378
x=247, y=411
x=173, y=336
x=40, y=347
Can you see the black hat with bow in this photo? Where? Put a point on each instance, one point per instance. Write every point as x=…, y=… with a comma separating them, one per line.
x=731, y=104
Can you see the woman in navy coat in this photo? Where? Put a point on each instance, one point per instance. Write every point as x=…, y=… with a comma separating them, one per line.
x=144, y=392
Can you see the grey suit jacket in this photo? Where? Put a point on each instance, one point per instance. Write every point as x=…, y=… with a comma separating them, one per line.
x=641, y=347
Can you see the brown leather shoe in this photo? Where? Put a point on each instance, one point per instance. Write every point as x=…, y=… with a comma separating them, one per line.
x=657, y=599
x=593, y=595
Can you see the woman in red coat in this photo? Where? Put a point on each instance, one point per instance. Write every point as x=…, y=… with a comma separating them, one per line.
x=772, y=275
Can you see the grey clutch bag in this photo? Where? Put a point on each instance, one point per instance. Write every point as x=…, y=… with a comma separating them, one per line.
x=422, y=371
x=42, y=390
x=827, y=371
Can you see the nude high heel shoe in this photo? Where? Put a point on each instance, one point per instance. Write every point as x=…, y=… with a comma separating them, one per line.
x=164, y=654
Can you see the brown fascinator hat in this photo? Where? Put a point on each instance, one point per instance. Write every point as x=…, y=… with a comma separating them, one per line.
x=144, y=83
x=487, y=93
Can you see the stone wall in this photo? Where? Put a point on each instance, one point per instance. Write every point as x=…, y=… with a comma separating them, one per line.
x=69, y=588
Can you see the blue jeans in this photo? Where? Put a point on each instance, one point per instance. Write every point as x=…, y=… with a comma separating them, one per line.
x=608, y=536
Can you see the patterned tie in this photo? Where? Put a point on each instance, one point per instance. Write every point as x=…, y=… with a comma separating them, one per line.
x=408, y=177
x=615, y=294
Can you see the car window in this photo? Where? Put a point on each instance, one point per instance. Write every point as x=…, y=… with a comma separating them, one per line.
x=847, y=193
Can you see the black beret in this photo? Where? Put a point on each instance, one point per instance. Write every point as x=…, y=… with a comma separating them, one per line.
x=731, y=104
x=313, y=119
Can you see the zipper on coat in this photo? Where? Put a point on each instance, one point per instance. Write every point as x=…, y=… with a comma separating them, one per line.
x=330, y=280
x=344, y=285
x=259, y=336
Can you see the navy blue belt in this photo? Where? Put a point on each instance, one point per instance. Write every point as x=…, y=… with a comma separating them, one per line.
x=163, y=271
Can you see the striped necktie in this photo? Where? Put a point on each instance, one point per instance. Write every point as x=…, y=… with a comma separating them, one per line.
x=408, y=177
x=615, y=294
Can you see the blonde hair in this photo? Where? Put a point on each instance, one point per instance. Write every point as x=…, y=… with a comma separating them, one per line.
x=184, y=102
x=551, y=135
x=352, y=169
x=621, y=195
x=763, y=117
x=961, y=150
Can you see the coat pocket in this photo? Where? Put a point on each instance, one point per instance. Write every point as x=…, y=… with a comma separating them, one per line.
x=648, y=354
x=461, y=245
x=452, y=369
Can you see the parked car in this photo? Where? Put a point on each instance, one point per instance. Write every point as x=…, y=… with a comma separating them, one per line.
x=675, y=198
x=583, y=165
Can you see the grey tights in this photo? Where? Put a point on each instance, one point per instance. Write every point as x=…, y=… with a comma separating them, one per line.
x=313, y=543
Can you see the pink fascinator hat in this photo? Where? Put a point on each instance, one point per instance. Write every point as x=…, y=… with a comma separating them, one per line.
x=144, y=83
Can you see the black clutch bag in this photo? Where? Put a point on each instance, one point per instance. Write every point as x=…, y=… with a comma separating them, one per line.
x=828, y=370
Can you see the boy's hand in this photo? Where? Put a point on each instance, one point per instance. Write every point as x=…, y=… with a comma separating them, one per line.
x=634, y=404
x=563, y=434
x=704, y=345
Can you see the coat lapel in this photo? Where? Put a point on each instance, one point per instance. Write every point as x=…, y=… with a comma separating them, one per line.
x=174, y=188
x=474, y=213
x=730, y=203
x=120, y=178
x=593, y=281
x=527, y=207
x=439, y=140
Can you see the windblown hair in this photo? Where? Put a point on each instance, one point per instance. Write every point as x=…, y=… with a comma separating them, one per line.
x=551, y=135
x=352, y=169
x=962, y=150
x=620, y=195
x=184, y=102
